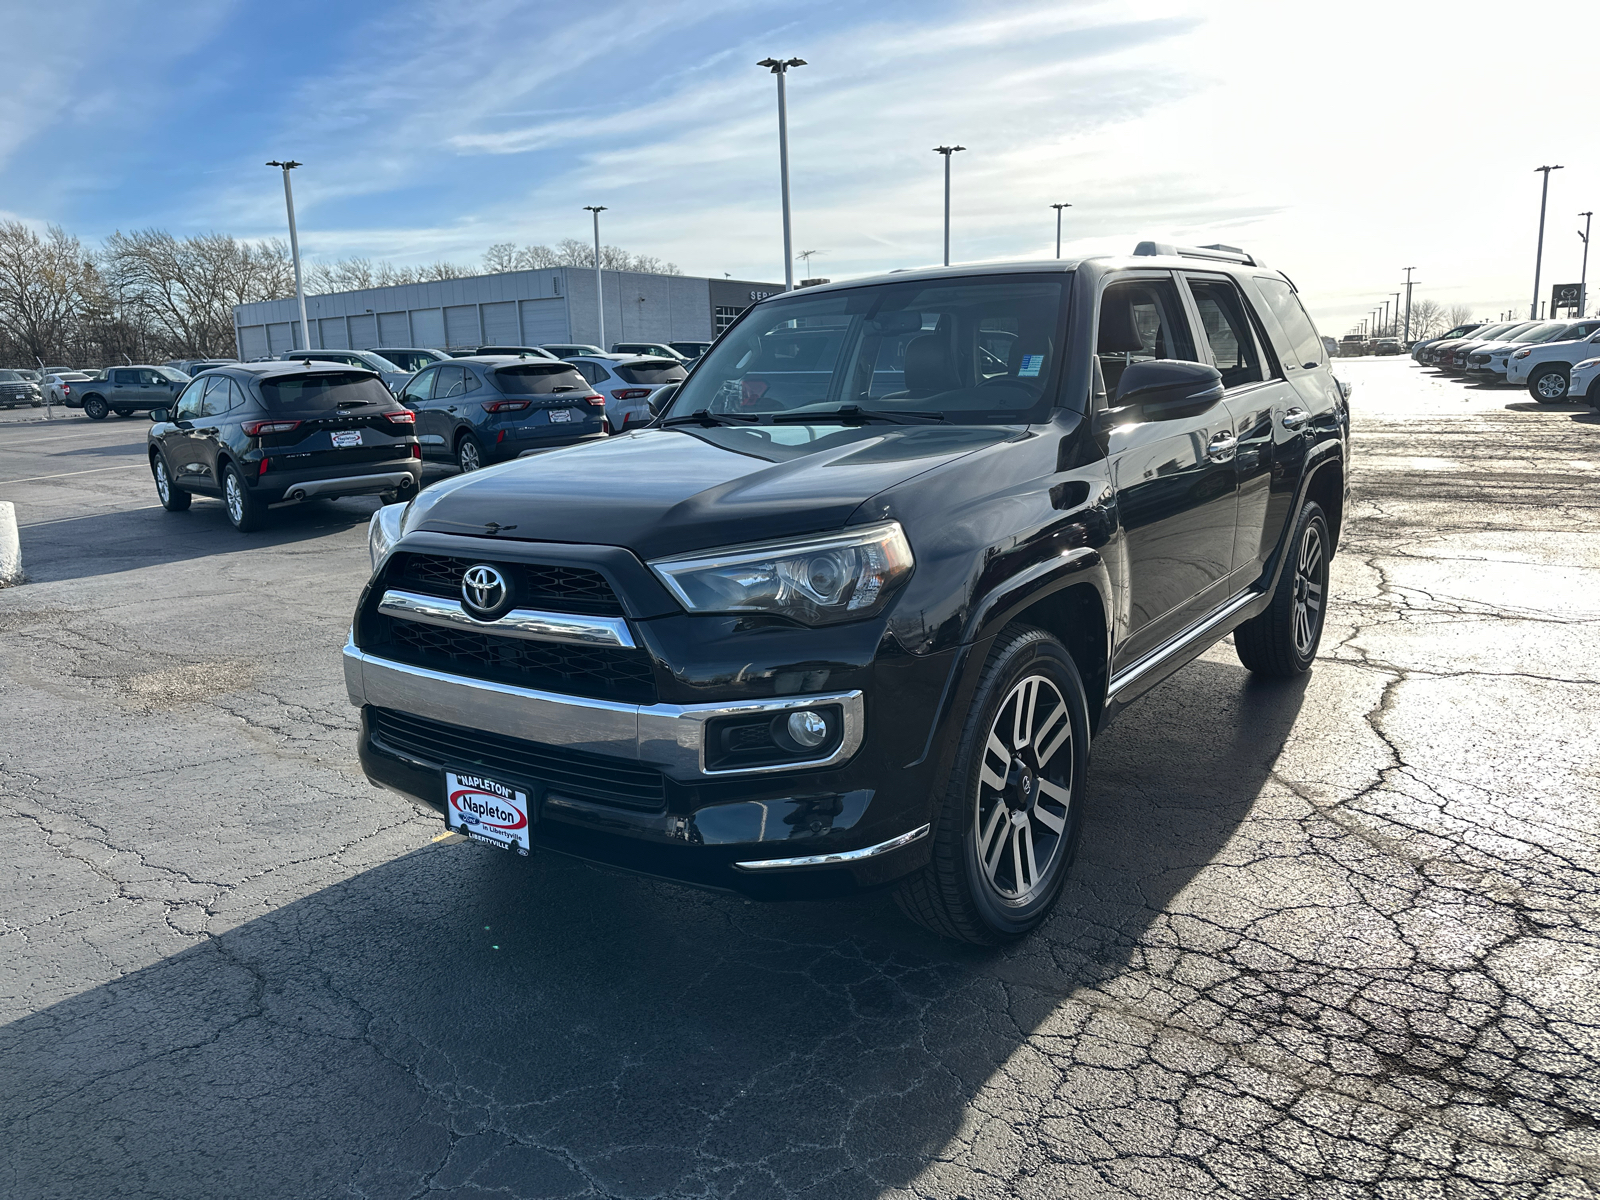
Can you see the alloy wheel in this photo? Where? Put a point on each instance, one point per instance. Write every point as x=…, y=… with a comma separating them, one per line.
x=163, y=485
x=1310, y=582
x=1552, y=385
x=468, y=455
x=1024, y=791
x=234, y=497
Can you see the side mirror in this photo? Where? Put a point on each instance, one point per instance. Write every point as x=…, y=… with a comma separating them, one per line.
x=1166, y=389
x=158, y=415
x=661, y=397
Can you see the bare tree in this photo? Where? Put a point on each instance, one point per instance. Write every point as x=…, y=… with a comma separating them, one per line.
x=1457, y=314
x=1427, y=319
x=43, y=282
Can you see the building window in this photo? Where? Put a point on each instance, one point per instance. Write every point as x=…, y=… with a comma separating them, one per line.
x=726, y=315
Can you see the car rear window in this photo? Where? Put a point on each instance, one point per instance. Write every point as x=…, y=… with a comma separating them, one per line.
x=539, y=379
x=321, y=391
x=652, y=373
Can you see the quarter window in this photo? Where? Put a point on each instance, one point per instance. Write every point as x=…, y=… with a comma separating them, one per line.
x=1227, y=331
x=1286, y=306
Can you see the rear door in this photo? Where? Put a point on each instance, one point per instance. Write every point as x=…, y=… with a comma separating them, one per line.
x=416, y=396
x=126, y=388
x=1255, y=392
x=1177, y=493
x=444, y=410
x=206, y=437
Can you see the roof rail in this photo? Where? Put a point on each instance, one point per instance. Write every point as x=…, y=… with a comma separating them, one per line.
x=1215, y=253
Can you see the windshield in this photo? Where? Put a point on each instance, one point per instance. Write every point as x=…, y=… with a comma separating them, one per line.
x=1547, y=331
x=378, y=362
x=319, y=392
x=539, y=379
x=175, y=376
x=9, y=377
x=975, y=350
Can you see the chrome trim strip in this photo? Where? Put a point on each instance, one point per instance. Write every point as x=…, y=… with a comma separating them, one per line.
x=1132, y=674
x=530, y=623
x=668, y=736
x=846, y=856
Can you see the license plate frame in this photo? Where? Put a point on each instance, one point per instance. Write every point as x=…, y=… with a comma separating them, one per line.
x=492, y=812
x=346, y=439
x=560, y=416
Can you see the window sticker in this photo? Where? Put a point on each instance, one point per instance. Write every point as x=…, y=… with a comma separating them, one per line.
x=1031, y=365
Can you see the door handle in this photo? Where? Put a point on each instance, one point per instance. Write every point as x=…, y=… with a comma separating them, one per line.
x=1222, y=446
x=1295, y=418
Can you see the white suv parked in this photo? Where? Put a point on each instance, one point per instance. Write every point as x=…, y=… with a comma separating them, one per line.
x=1547, y=367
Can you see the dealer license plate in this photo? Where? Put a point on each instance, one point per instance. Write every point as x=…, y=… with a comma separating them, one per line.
x=487, y=811
x=345, y=438
x=560, y=416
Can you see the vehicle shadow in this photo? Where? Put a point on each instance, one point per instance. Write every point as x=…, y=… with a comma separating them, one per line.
x=127, y=449
x=125, y=539
x=457, y=1017
x=1564, y=406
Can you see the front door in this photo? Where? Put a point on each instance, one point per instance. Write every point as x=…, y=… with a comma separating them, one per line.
x=179, y=442
x=416, y=396
x=1177, y=494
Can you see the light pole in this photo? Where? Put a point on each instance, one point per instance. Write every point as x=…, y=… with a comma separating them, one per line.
x=1408, y=271
x=294, y=251
x=1383, y=323
x=1394, y=322
x=1538, y=258
x=947, y=151
x=1058, y=208
x=599, y=298
x=1583, y=279
x=780, y=68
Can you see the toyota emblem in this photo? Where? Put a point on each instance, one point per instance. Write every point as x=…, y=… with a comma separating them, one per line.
x=483, y=591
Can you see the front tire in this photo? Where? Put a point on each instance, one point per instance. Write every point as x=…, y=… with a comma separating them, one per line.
x=94, y=408
x=1007, y=828
x=173, y=498
x=245, y=513
x=1283, y=640
x=1548, y=385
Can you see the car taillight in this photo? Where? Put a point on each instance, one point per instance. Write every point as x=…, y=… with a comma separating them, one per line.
x=416, y=450
x=257, y=428
x=630, y=393
x=402, y=416
x=596, y=399
x=497, y=406
x=67, y=388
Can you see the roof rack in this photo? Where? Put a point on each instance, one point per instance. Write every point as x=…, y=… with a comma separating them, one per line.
x=1214, y=253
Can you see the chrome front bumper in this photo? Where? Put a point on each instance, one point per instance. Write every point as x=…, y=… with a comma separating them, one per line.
x=668, y=736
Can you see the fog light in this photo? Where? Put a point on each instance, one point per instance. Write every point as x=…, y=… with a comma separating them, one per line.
x=808, y=729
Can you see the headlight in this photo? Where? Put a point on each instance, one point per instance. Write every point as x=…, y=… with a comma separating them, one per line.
x=383, y=531
x=1523, y=353
x=1587, y=363
x=815, y=580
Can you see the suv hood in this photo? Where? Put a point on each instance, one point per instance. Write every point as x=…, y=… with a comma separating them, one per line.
x=671, y=491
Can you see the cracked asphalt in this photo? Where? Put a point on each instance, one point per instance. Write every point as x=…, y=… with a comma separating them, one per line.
x=1335, y=938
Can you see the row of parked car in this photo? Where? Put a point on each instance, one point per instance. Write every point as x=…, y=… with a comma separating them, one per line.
x=1554, y=360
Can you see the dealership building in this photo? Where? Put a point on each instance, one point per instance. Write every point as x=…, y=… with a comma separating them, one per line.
x=518, y=308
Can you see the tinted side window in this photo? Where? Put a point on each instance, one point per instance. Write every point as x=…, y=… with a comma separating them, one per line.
x=188, y=407
x=420, y=388
x=1141, y=320
x=122, y=378
x=1226, y=330
x=469, y=380
x=450, y=383
x=1302, y=334
x=216, y=401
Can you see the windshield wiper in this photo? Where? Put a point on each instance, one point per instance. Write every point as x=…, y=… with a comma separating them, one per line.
x=854, y=414
x=703, y=416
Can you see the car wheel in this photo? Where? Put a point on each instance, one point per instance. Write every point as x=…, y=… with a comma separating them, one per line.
x=1548, y=385
x=94, y=408
x=244, y=512
x=1007, y=827
x=173, y=497
x=469, y=454
x=1593, y=394
x=38, y=404
x=1283, y=640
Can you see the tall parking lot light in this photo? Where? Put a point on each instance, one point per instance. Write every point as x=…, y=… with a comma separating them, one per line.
x=1057, y=207
x=599, y=298
x=1394, y=321
x=1538, y=257
x=780, y=68
x=947, y=151
x=294, y=250
x=1583, y=279
x=1408, y=271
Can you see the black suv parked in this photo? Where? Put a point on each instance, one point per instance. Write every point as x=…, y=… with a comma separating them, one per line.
x=851, y=611
x=259, y=435
x=475, y=411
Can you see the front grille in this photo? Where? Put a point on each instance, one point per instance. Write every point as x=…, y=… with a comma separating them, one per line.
x=599, y=672
x=576, y=773
x=536, y=585
x=1478, y=358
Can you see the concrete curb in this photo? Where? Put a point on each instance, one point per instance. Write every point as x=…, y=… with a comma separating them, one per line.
x=10, y=546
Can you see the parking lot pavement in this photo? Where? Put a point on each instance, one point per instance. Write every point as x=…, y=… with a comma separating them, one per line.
x=1332, y=938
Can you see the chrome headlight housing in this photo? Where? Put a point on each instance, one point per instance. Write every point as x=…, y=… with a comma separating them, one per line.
x=814, y=580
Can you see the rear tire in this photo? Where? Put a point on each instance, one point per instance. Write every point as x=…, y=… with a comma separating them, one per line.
x=1007, y=828
x=1283, y=640
x=245, y=513
x=94, y=408
x=173, y=498
x=1548, y=385
x=469, y=454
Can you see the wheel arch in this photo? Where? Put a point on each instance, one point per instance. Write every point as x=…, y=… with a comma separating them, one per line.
x=1076, y=617
x=1326, y=487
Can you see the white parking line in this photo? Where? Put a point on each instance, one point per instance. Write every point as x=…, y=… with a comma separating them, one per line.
x=69, y=474
x=60, y=437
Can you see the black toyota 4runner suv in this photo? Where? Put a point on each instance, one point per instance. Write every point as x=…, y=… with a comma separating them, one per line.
x=850, y=612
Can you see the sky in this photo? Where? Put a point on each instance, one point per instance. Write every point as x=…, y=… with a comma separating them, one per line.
x=1340, y=142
